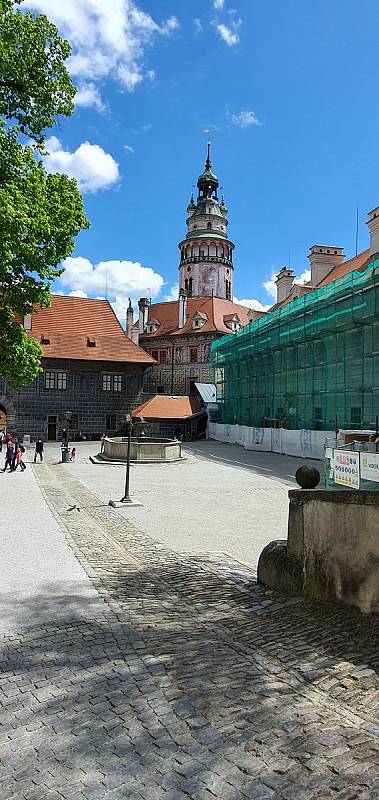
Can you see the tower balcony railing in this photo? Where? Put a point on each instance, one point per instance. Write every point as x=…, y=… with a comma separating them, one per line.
x=212, y=259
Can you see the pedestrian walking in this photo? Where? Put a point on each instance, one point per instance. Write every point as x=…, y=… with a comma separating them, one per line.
x=9, y=457
x=38, y=450
x=19, y=458
x=15, y=448
x=2, y=437
x=64, y=438
x=102, y=440
x=73, y=454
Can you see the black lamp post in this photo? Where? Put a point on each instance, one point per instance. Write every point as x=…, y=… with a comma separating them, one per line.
x=126, y=499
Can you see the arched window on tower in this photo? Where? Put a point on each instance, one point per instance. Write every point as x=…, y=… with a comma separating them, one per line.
x=228, y=290
x=186, y=285
x=189, y=287
x=209, y=226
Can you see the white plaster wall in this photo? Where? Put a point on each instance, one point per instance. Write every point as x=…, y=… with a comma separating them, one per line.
x=301, y=443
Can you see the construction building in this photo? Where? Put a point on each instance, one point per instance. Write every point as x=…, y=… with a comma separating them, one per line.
x=312, y=361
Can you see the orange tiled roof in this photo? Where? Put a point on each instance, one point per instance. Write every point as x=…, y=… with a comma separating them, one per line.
x=168, y=407
x=70, y=321
x=213, y=307
x=355, y=263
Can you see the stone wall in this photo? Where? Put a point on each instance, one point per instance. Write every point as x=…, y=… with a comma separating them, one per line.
x=332, y=548
x=28, y=409
x=185, y=371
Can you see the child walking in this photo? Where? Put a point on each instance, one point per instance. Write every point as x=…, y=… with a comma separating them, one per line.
x=19, y=456
x=73, y=454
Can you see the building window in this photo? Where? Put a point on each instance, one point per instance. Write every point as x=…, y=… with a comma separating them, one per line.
x=162, y=357
x=193, y=355
x=49, y=380
x=61, y=380
x=160, y=389
x=154, y=354
x=55, y=380
x=111, y=383
x=110, y=422
x=356, y=416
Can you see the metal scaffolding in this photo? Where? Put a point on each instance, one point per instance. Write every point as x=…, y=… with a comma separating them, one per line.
x=312, y=364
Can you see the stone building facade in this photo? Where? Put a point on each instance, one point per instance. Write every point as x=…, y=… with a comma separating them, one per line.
x=178, y=334
x=92, y=373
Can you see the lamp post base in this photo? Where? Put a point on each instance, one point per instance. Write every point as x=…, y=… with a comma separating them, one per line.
x=124, y=503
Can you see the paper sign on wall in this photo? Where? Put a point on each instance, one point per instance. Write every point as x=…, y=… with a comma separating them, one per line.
x=370, y=467
x=346, y=468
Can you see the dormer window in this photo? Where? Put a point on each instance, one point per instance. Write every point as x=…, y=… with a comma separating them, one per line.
x=198, y=320
x=152, y=325
x=232, y=321
x=91, y=342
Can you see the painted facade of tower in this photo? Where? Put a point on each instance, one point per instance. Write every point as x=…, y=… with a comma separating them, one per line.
x=206, y=254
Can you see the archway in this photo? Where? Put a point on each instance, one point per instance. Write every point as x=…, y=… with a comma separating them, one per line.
x=3, y=418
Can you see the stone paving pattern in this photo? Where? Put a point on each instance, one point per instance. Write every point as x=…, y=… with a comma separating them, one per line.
x=194, y=683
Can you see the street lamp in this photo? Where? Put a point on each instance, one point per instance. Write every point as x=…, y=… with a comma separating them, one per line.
x=126, y=499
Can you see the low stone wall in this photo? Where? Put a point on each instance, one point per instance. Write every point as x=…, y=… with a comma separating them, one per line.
x=333, y=538
x=160, y=450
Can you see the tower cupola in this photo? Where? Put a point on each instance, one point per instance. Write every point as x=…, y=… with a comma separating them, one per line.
x=206, y=264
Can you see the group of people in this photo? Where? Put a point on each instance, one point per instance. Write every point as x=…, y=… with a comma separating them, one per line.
x=14, y=452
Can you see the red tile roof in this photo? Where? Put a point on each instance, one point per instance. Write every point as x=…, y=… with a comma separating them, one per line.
x=71, y=321
x=213, y=307
x=166, y=407
x=356, y=263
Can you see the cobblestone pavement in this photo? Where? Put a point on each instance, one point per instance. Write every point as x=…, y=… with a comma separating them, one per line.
x=195, y=683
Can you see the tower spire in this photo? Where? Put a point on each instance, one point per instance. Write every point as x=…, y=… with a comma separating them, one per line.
x=208, y=162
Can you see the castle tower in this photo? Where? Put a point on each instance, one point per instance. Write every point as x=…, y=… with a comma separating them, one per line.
x=206, y=260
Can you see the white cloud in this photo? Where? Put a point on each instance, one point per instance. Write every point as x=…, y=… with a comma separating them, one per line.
x=270, y=286
x=198, y=25
x=89, y=95
x=118, y=279
x=304, y=277
x=108, y=37
x=254, y=304
x=92, y=167
x=150, y=74
x=173, y=293
x=128, y=148
x=244, y=119
x=218, y=4
x=229, y=34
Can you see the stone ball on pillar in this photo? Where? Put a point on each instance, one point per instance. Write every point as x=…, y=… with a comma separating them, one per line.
x=307, y=477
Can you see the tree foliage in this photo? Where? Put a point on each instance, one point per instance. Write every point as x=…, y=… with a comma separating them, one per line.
x=40, y=214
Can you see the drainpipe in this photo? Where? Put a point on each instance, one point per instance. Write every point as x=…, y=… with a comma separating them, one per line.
x=172, y=367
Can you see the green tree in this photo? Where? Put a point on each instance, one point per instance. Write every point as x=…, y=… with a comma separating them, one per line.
x=40, y=214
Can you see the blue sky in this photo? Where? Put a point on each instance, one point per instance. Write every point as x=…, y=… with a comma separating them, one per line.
x=290, y=91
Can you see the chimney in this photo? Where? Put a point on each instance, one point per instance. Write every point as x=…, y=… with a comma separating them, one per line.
x=284, y=282
x=143, y=305
x=182, y=308
x=28, y=322
x=373, y=226
x=129, y=320
x=322, y=260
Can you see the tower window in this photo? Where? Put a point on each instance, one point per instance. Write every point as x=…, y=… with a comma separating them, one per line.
x=209, y=226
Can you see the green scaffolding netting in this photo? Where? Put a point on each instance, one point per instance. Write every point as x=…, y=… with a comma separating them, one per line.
x=310, y=364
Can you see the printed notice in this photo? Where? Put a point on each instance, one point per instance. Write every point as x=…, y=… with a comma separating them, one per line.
x=346, y=468
x=370, y=467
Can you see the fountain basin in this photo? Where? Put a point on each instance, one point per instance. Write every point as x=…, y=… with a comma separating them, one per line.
x=144, y=449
